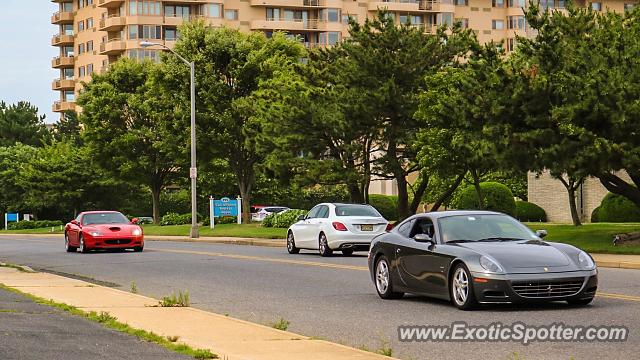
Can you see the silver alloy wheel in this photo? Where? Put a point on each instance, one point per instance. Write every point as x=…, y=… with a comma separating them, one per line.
x=460, y=286
x=323, y=244
x=66, y=241
x=290, y=242
x=382, y=276
x=81, y=247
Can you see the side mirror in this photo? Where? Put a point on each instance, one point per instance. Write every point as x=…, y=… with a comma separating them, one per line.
x=541, y=233
x=302, y=217
x=75, y=222
x=135, y=221
x=424, y=238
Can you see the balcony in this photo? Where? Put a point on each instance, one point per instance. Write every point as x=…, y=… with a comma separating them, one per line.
x=113, y=47
x=62, y=40
x=112, y=23
x=413, y=5
x=110, y=3
x=296, y=25
x=63, y=84
x=298, y=3
x=62, y=17
x=61, y=62
x=61, y=106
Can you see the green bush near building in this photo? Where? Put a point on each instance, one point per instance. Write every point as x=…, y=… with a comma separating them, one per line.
x=497, y=197
x=386, y=205
x=616, y=209
x=38, y=224
x=530, y=212
x=283, y=219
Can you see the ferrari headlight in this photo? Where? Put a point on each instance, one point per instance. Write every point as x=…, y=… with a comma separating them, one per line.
x=136, y=232
x=490, y=265
x=585, y=261
x=95, y=233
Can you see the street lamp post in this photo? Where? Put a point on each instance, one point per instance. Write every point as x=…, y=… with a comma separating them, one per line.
x=193, y=171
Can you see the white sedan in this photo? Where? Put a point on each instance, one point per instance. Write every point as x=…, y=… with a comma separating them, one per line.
x=343, y=227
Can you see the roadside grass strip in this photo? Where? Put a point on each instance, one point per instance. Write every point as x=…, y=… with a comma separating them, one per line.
x=111, y=322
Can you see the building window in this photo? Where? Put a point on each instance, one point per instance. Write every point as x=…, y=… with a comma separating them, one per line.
x=273, y=14
x=464, y=22
x=182, y=11
x=498, y=3
x=81, y=72
x=90, y=69
x=629, y=7
x=144, y=54
x=546, y=4
x=497, y=24
x=80, y=26
x=213, y=10
x=516, y=22
x=67, y=51
x=597, y=6
x=80, y=49
x=89, y=45
x=67, y=74
x=170, y=34
x=145, y=32
x=68, y=95
x=444, y=19
x=511, y=44
x=461, y=2
x=329, y=38
x=145, y=7
x=89, y=23
x=67, y=7
x=330, y=15
x=560, y=4
x=231, y=14
x=517, y=3
x=347, y=17
x=67, y=29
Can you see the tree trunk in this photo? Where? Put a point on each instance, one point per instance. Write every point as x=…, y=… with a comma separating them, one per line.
x=572, y=206
x=476, y=185
x=155, y=201
x=449, y=192
x=245, y=194
x=355, y=195
x=403, y=198
x=423, y=184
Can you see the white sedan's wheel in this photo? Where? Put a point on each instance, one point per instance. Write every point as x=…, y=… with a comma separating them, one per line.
x=291, y=244
x=323, y=246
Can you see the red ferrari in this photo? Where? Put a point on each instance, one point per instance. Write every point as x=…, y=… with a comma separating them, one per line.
x=102, y=230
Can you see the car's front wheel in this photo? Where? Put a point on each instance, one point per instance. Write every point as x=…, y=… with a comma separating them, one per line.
x=138, y=248
x=67, y=246
x=83, y=249
x=291, y=244
x=323, y=246
x=384, y=285
x=461, y=288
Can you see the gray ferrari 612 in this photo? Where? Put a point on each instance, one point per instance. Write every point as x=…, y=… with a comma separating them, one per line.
x=472, y=257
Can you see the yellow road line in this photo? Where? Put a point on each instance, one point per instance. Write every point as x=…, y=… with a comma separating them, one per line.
x=257, y=258
x=619, y=296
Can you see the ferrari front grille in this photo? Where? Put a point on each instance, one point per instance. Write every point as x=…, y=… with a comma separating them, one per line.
x=547, y=288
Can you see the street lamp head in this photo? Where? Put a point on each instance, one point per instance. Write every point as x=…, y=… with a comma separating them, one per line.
x=146, y=44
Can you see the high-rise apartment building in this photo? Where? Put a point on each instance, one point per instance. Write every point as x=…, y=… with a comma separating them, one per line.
x=94, y=33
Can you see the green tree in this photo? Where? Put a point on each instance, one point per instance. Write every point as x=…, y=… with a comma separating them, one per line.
x=68, y=128
x=13, y=159
x=231, y=66
x=134, y=128
x=20, y=123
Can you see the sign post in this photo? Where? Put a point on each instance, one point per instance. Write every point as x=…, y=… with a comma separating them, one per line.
x=239, y=205
x=10, y=218
x=224, y=207
x=212, y=222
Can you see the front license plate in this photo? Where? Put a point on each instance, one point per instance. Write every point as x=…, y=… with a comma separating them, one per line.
x=366, y=227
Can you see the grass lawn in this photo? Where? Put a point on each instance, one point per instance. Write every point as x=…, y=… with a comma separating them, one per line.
x=226, y=230
x=57, y=230
x=595, y=238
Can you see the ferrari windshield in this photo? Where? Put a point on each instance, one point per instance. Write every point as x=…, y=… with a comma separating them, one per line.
x=104, y=218
x=485, y=227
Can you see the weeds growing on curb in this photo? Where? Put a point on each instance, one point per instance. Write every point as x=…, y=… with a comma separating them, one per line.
x=17, y=267
x=182, y=300
x=281, y=324
x=134, y=287
x=111, y=322
x=173, y=338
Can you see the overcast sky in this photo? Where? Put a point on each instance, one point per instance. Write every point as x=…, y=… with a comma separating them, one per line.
x=26, y=53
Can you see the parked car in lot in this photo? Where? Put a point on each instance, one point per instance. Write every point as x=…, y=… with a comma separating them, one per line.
x=102, y=230
x=472, y=257
x=329, y=227
x=259, y=212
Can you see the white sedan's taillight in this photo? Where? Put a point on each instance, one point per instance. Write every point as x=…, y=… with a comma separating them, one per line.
x=339, y=226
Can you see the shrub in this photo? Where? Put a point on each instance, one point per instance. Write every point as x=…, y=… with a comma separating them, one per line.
x=175, y=219
x=526, y=211
x=284, y=219
x=386, y=205
x=595, y=216
x=38, y=224
x=497, y=197
x=617, y=208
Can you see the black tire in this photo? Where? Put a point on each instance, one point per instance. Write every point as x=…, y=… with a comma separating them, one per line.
x=382, y=280
x=83, y=249
x=68, y=247
x=323, y=246
x=347, y=252
x=138, y=248
x=291, y=244
x=580, y=302
x=465, y=299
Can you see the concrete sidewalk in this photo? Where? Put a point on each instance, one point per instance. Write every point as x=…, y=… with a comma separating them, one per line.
x=230, y=338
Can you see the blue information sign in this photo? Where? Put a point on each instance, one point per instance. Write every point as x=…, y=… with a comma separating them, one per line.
x=12, y=217
x=225, y=207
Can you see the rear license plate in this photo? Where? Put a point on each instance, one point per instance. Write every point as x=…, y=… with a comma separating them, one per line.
x=366, y=227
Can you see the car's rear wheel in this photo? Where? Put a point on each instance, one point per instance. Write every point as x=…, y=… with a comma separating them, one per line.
x=83, y=249
x=384, y=285
x=461, y=288
x=291, y=244
x=580, y=302
x=68, y=247
x=323, y=246
x=347, y=252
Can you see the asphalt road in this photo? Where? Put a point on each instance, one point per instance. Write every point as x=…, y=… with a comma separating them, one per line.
x=33, y=331
x=334, y=298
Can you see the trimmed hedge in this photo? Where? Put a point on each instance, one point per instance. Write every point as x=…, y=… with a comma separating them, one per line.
x=284, y=219
x=595, y=216
x=617, y=208
x=386, y=205
x=526, y=211
x=175, y=219
x=497, y=197
x=38, y=224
